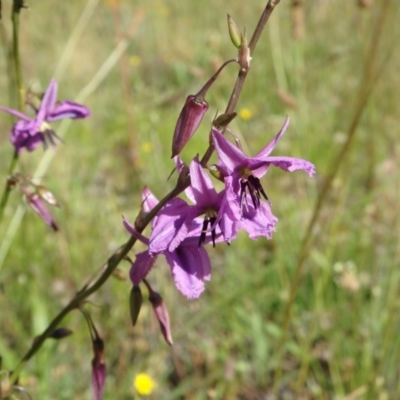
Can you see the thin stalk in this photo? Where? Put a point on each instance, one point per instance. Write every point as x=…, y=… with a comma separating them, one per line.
x=122, y=252
x=17, y=5
x=237, y=89
x=367, y=84
x=80, y=297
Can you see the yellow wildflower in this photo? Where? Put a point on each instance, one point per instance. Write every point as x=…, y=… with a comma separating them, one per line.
x=245, y=113
x=143, y=383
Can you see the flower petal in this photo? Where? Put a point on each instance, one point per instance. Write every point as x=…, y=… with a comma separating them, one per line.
x=260, y=222
x=68, y=109
x=190, y=267
x=292, y=164
x=149, y=200
x=15, y=113
x=271, y=145
x=141, y=267
x=169, y=221
x=229, y=156
x=48, y=101
x=202, y=187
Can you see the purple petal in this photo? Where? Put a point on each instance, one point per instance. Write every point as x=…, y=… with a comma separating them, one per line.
x=229, y=214
x=148, y=199
x=141, y=267
x=68, y=109
x=229, y=156
x=271, y=145
x=48, y=101
x=202, y=187
x=131, y=229
x=190, y=267
x=260, y=222
x=169, y=221
x=15, y=113
x=292, y=164
x=25, y=135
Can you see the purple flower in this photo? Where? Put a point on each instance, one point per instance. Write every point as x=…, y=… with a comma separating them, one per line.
x=247, y=171
x=29, y=133
x=176, y=218
x=190, y=265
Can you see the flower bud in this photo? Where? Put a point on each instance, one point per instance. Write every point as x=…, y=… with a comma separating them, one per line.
x=60, y=333
x=161, y=312
x=99, y=370
x=188, y=122
x=234, y=32
x=135, y=303
x=223, y=120
x=192, y=113
x=215, y=172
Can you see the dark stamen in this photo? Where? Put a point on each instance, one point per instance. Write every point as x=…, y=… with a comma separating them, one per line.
x=202, y=237
x=253, y=187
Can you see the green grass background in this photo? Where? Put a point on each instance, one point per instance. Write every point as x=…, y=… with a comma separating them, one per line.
x=342, y=340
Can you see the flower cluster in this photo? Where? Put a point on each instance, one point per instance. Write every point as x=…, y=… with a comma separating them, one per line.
x=181, y=230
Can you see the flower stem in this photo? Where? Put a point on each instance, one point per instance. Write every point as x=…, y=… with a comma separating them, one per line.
x=122, y=252
x=17, y=5
x=80, y=297
x=233, y=100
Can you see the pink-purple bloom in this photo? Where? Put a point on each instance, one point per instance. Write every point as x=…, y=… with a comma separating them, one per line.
x=247, y=171
x=30, y=132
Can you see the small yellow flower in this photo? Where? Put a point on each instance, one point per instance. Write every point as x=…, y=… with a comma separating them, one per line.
x=147, y=147
x=135, y=61
x=143, y=384
x=245, y=113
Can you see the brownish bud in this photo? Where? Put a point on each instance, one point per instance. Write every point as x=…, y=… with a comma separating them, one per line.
x=244, y=57
x=135, y=303
x=188, y=122
x=161, y=312
x=60, y=333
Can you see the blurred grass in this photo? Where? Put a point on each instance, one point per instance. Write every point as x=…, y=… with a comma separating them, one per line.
x=343, y=340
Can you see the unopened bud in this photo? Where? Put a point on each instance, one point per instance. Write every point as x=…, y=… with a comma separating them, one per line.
x=223, y=120
x=191, y=115
x=234, y=32
x=60, y=333
x=135, y=303
x=215, y=172
x=188, y=122
x=161, y=312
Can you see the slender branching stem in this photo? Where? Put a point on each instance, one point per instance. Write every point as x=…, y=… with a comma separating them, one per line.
x=122, y=252
x=17, y=5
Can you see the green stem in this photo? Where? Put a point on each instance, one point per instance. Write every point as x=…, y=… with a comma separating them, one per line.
x=17, y=5
x=79, y=298
x=7, y=186
x=122, y=252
